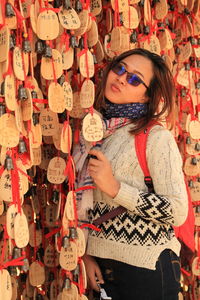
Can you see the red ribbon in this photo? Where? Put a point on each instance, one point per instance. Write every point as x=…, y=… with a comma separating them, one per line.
x=50, y=234
x=14, y=262
x=56, y=10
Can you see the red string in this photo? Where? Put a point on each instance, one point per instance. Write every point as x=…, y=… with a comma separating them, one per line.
x=81, y=281
x=53, y=232
x=93, y=227
x=53, y=67
x=15, y=183
x=14, y=262
x=86, y=54
x=56, y=10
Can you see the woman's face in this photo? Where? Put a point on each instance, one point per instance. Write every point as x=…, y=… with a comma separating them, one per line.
x=119, y=91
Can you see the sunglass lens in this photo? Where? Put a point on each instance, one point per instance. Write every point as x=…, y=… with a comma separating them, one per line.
x=119, y=69
x=133, y=80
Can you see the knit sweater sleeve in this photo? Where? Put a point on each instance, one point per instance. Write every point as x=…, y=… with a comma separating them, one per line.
x=169, y=203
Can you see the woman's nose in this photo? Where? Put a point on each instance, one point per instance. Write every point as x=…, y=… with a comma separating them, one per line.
x=122, y=79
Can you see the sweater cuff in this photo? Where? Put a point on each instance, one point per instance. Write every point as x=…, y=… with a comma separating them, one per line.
x=127, y=196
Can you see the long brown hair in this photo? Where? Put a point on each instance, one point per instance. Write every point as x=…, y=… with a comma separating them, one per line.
x=161, y=90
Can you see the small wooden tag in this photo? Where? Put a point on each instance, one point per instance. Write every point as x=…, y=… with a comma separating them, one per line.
x=183, y=77
x=86, y=64
x=56, y=97
x=96, y=7
x=48, y=121
x=68, y=95
x=191, y=149
x=147, y=12
x=92, y=34
x=69, y=257
x=194, y=129
x=37, y=156
x=18, y=63
x=4, y=43
x=77, y=111
x=9, y=134
x=71, y=293
x=80, y=241
x=109, y=22
x=57, y=137
x=69, y=206
x=36, y=135
x=186, y=51
x=6, y=185
x=82, y=266
x=51, y=257
x=10, y=93
x=115, y=43
x=195, y=191
x=109, y=52
x=35, y=235
x=130, y=18
x=27, y=107
x=5, y=284
x=153, y=44
x=99, y=52
x=161, y=9
x=55, y=171
x=21, y=230
x=87, y=94
x=165, y=39
x=36, y=274
x=84, y=20
x=10, y=218
x=47, y=25
x=66, y=139
x=18, y=116
x=33, y=18
x=69, y=18
x=27, y=209
x=121, y=6
x=67, y=58
x=48, y=152
x=50, y=215
x=92, y=128
x=47, y=70
x=195, y=93
x=190, y=169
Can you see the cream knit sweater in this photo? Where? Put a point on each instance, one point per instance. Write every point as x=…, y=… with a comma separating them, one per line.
x=138, y=236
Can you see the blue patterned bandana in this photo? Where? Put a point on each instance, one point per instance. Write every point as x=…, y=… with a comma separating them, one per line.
x=128, y=110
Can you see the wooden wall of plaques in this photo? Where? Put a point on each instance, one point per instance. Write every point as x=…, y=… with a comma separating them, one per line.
x=52, y=53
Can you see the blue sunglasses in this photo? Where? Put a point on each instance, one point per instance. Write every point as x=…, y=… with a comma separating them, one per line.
x=131, y=78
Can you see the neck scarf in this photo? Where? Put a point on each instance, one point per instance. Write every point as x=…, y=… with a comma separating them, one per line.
x=128, y=110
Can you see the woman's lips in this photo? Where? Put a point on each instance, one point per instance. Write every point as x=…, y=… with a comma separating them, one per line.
x=115, y=88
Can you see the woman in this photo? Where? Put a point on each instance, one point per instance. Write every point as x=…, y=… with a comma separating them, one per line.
x=136, y=254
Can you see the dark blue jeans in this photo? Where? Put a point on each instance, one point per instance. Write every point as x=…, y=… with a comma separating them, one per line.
x=123, y=281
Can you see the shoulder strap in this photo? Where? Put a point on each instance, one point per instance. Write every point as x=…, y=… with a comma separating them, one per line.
x=140, y=148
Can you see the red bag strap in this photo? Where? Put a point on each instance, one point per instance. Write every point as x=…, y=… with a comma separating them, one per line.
x=140, y=148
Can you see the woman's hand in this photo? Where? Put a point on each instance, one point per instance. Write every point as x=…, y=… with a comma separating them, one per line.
x=101, y=172
x=93, y=272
